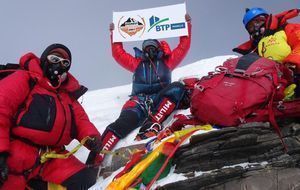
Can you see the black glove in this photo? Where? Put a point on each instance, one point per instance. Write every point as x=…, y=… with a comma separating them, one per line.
x=187, y=17
x=111, y=27
x=94, y=144
x=3, y=167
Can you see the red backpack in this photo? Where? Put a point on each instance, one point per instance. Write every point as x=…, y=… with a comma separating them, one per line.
x=237, y=91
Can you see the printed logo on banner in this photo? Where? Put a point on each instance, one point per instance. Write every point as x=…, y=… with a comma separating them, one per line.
x=159, y=24
x=131, y=26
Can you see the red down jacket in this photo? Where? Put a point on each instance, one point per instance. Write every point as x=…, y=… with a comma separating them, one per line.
x=43, y=115
x=150, y=77
x=171, y=58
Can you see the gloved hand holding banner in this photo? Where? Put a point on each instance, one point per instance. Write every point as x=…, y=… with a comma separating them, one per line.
x=154, y=23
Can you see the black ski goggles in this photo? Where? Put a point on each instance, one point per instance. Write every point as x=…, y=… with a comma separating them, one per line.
x=150, y=48
x=56, y=59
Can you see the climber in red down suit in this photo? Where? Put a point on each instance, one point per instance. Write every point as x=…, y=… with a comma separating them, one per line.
x=153, y=96
x=39, y=112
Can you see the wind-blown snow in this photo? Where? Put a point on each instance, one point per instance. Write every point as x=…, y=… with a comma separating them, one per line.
x=103, y=107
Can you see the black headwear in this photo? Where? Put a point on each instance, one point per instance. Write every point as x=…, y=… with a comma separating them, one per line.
x=60, y=49
x=150, y=42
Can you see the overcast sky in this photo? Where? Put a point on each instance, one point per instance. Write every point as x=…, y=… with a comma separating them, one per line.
x=82, y=25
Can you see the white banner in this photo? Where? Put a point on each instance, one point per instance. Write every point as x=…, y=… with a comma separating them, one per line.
x=154, y=23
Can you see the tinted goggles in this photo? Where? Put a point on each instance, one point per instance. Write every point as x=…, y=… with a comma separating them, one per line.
x=56, y=59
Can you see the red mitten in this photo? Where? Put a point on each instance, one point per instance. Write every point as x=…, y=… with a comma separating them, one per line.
x=165, y=48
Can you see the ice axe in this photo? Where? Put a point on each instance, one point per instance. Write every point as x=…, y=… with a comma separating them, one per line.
x=93, y=155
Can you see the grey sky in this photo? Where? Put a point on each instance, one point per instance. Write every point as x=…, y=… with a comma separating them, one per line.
x=82, y=25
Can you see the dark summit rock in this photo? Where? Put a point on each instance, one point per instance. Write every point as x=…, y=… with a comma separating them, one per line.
x=239, y=179
x=221, y=153
x=249, y=157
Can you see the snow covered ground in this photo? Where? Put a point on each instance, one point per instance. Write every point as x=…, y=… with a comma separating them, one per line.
x=103, y=107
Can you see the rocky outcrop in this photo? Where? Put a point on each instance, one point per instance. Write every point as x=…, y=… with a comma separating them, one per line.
x=247, y=157
x=119, y=159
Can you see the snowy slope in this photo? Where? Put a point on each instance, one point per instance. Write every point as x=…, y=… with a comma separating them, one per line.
x=103, y=106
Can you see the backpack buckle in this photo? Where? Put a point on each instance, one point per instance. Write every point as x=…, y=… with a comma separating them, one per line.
x=257, y=71
x=246, y=75
x=240, y=71
x=242, y=120
x=221, y=69
x=199, y=87
x=280, y=106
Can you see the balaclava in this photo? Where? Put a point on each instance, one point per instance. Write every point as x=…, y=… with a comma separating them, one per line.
x=55, y=63
x=151, y=48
